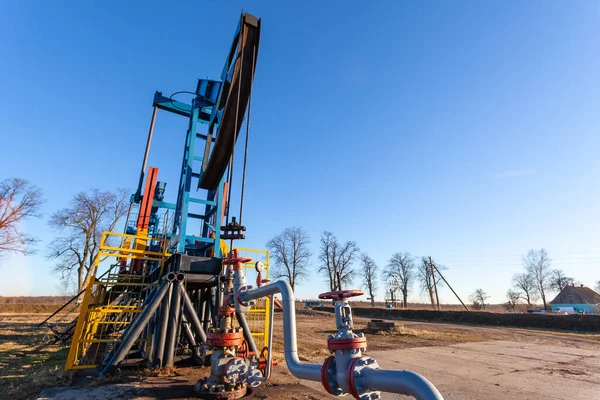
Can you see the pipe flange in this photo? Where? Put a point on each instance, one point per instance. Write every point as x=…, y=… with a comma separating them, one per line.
x=236, y=370
x=225, y=339
x=334, y=343
x=255, y=378
x=355, y=387
x=219, y=392
x=328, y=371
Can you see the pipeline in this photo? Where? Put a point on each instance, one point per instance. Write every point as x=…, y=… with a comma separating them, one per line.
x=298, y=368
x=363, y=379
x=405, y=382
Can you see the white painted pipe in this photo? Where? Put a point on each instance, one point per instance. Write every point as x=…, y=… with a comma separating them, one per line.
x=402, y=382
x=392, y=381
x=299, y=369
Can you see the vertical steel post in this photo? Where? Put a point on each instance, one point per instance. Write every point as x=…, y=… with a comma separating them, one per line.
x=158, y=359
x=247, y=332
x=437, y=299
x=207, y=307
x=186, y=178
x=146, y=153
x=191, y=313
x=173, y=330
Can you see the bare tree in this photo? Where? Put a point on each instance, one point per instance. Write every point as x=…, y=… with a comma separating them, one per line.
x=478, y=298
x=597, y=286
x=537, y=264
x=401, y=270
x=559, y=281
x=81, y=226
x=291, y=254
x=525, y=286
x=513, y=298
x=19, y=200
x=336, y=259
x=426, y=278
x=369, y=270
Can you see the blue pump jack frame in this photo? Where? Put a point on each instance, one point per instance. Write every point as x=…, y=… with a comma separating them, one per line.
x=200, y=111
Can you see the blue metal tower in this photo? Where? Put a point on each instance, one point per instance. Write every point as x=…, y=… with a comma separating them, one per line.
x=222, y=106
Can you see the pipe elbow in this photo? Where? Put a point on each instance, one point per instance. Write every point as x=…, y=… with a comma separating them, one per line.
x=401, y=382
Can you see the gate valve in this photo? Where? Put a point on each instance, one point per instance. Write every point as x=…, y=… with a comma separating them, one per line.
x=344, y=339
x=341, y=294
x=235, y=260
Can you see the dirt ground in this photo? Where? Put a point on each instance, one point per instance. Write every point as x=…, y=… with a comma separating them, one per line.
x=433, y=349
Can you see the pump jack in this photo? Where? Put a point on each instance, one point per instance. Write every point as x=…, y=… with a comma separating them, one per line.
x=193, y=286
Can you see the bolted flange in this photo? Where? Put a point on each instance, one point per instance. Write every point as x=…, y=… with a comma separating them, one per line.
x=328, y=371
x=236, y=370
x=355, y=384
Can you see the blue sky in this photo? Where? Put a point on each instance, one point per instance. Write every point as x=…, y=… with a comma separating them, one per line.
x=467, y=131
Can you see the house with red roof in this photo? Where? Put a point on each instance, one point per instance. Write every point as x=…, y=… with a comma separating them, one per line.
x=581, y=298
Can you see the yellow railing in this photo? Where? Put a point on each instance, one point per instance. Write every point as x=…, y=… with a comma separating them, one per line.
x=111, y=301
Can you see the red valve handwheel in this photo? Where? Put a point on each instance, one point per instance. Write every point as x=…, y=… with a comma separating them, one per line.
x=341, y=294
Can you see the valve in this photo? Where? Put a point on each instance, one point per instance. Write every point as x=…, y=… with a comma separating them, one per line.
x=235, y=260
x=341, y=294
x=356, y=386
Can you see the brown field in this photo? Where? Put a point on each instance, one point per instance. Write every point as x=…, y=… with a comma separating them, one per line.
x=28, y=365
x=45, y=300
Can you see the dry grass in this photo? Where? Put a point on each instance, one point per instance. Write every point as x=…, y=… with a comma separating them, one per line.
x=435, y=335
x=27, y=363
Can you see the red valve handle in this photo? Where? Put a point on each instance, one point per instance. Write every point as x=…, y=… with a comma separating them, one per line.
x=341, y=294
x=234, y=260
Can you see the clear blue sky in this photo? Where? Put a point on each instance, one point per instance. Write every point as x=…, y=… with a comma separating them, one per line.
x=467, y=131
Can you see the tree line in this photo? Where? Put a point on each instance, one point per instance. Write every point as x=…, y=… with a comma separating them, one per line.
x=537, y=279
x=340, y=263
x=79, y=227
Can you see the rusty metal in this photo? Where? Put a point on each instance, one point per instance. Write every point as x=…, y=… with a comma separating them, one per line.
x=350, y=378
x=225, y=339
x=347, y=344
x=325, y=373
x=226, y=311
x=224, y=394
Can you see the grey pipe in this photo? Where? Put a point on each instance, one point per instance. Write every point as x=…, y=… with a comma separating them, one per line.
x=247, y=332
x=131, y=324
x=206, y=301
x=173, y=328
x=214, y=308
x=290, y=346
x=402, y=382
x=187, y=331
x=270, y=343
x=191, y=313
x=200, y=304
x=159, y=351
x=137, y=328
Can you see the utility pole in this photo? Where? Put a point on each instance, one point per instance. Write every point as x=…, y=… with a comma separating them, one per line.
x=437, y=299
x=444, y=279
